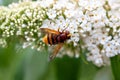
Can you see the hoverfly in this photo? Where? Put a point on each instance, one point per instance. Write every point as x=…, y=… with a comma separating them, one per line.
x=54, y=37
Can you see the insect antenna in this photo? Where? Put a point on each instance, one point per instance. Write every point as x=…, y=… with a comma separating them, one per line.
x=65, y=28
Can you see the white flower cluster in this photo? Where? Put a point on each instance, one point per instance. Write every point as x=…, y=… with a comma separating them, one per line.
x=22, y=20
x=95, y=23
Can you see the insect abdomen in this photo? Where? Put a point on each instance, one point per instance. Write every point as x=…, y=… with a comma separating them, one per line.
x=55, y=39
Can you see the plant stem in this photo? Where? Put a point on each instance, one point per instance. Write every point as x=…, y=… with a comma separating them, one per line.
x=115, y=64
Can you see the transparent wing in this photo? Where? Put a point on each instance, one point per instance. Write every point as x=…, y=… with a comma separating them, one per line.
x=56, y=50
x=47, y=30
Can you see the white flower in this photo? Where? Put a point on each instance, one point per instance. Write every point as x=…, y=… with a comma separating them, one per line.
x=51, y=13
x=111, y=48
x=114, y=4
x=45, y=3
x=96, y=23
x=69, y=13
x=90, y=4
x=3, y=42
x=26, y=44
x=60, y=4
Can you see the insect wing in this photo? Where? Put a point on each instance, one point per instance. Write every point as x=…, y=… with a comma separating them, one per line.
x=46, y=30
x=56, y=50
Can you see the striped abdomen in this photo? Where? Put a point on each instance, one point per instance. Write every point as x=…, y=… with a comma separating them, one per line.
x=54, y=38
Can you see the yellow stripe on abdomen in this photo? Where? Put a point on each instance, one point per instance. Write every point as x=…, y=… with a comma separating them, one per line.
x=45, y=40
x=50, y=39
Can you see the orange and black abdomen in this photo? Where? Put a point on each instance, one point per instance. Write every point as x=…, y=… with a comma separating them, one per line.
x=55, y=39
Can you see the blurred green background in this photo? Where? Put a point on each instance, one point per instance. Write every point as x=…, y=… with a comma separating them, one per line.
x=27, y=64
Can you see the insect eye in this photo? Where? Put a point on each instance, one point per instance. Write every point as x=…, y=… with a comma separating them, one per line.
x=67, y=32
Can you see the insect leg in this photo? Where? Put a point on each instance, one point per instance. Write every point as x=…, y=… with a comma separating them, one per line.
x=56, y=50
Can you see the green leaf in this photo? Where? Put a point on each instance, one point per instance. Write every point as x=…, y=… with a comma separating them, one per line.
x=67, y=68
x=115, y=64
x=87, y=71
x=104, y=73
x=35, y=65
x=6, y=2
x=9, y=62
x=50, y=73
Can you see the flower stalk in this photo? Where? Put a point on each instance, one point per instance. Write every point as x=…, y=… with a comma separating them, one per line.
x=115, y=65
